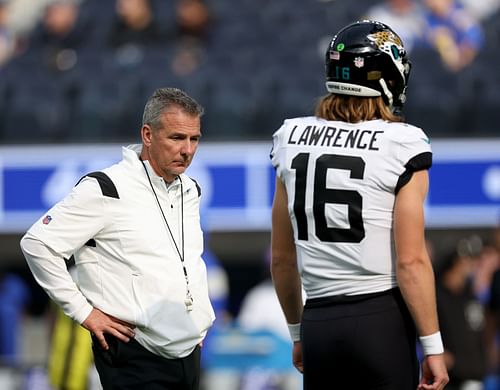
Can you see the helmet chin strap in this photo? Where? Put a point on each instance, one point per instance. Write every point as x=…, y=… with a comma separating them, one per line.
x=387, y=93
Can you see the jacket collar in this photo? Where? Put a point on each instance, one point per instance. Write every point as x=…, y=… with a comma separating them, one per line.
x=131, y=155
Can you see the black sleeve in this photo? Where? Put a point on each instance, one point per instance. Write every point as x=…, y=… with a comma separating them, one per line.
x=418, y=163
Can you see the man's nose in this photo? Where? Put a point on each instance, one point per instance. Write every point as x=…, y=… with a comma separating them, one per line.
x=187, y=147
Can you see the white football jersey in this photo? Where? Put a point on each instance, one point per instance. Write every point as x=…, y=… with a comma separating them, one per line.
x=341, y=180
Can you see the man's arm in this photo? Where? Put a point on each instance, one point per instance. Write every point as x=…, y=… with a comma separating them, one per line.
x=284, y=270
x=414, y=271
x=50, y=272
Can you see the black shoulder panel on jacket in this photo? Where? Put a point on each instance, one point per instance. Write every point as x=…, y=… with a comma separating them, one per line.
x=198, y=188
x=107, y=186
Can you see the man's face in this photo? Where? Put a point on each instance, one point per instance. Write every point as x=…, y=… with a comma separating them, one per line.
x=172, y=147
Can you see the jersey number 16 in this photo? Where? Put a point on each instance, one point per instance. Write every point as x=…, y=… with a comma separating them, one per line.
x=323, y=195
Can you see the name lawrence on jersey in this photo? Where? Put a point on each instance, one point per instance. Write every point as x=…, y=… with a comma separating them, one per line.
x=334, y=137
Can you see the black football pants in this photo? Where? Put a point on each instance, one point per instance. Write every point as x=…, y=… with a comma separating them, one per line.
x=365, y=342
x=129, y=366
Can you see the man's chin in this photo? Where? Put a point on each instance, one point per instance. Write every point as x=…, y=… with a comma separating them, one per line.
x=179, y=169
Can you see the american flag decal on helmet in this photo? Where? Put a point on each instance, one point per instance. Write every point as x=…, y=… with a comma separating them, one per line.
x=334, y=55
x=47, y=220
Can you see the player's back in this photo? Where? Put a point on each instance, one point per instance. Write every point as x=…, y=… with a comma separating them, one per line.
x=341, y=180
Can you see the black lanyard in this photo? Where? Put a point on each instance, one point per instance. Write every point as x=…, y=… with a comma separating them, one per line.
x=188, y=301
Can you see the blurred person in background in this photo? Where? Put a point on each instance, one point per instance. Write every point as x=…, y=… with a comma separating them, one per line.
x=260, y=308
x=406, y=18
x=453, y=32
x=488, y=263
x=462, y=316
x=483, y=9
x=8, y=40
x=40, y=87
x=14, y=299
x=24, y=15
x=350, y=182
x=134, y=231
x=193, y=23
x=218, y=290
x=136, y=34
x=260, y=311
x=135, y=24
x=493, y=315
x=59, y=36
x=193, y=20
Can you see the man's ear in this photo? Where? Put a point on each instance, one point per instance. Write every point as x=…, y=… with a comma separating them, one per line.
x=146, y=134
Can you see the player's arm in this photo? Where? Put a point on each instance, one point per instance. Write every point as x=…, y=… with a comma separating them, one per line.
x=414, y=268
x=284, y=270
x=414, y=271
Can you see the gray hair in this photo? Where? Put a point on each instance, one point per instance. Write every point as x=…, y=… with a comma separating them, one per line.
x=164, y=98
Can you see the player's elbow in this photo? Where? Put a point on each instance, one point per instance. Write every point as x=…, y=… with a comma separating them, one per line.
x=24, y=243
x=282, y=262
x=413, y=265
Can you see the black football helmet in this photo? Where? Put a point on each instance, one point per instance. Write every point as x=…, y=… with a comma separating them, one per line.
x=367, y=58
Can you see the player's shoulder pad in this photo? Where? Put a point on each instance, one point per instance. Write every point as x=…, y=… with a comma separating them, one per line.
x=407, y=133
x=301, y=120
x=108, y=188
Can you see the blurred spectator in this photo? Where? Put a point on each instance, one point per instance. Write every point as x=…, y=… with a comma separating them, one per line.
x=260, y=308
x=24, y=15
x=39, y=83
x=14, y=298
x=60, y=35
x=193, y=24
x=218, y=290
x=187, y=58
x=89, y=96
x=461, y=317
x=193, y=20
x=493, y=328
x=135, y=24
x=136, y=33
x=406, y=17
x=261, y=311
x=496, y=237
x=488, y=264
x=453, y=32
x=7, y=38
x=481, y=9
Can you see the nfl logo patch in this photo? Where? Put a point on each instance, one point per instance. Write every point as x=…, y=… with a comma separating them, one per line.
x=334, y=55
x=47, y=220
x=359, y=62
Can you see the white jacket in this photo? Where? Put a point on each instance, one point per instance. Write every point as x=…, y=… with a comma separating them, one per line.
x=126, y=261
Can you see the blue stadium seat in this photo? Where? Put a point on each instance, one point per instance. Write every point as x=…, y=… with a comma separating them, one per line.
x=38, y=103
